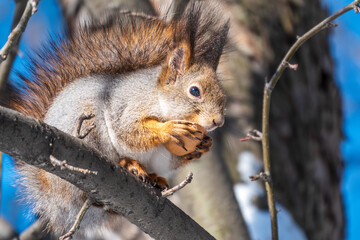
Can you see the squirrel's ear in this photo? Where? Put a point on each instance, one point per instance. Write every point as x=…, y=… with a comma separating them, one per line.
x=177, y=63
x=212, y=53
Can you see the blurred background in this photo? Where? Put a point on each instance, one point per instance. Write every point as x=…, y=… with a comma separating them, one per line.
x=315, y=114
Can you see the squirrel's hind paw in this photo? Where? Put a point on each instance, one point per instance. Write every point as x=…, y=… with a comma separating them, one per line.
x=136, y=168
x=158, y=181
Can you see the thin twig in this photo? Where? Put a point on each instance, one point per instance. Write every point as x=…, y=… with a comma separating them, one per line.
x=63, y=165
x=173, y=190
x=291, y=66
x=253, y=135
x=78, y=219
x=263, y=176
x=269, y=86
x=356, y=6
x=34, y=4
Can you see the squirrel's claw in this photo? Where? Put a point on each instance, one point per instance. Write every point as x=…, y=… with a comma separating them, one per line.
x=200, y=149
x=192, y=156
x=205, y=145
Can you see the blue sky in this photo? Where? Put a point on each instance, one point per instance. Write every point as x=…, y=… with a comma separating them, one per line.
x=345, y=48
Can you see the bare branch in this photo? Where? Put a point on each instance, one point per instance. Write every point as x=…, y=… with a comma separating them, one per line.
x=291, y=66
x=173, y=190
x=34, y=4
x=15, y=34
x=9, y=50
x=263, y=176
x=254, y=135
x=63, y=165
x=33, y=141
x=356, y=7
x=78, y=219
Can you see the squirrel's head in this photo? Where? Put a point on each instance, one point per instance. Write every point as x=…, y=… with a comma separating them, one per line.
x=190, y=86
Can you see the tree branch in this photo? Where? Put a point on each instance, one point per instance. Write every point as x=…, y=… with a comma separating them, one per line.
x=269, y=86
x=9, y=50
x=33, y=141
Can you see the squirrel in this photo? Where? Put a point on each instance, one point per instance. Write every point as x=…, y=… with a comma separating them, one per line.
x=153, y=91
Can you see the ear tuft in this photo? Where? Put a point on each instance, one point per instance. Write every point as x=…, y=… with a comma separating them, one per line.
x=211, y=55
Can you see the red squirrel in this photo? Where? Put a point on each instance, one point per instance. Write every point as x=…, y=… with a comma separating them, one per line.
x=152, y=88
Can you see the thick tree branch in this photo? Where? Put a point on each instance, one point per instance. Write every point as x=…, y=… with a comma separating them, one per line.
x=33, y=141
x=269, y=86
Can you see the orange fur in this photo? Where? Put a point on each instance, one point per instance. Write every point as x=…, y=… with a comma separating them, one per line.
x=43, y=180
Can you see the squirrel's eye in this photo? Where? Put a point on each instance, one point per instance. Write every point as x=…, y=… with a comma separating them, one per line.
x=195, y=91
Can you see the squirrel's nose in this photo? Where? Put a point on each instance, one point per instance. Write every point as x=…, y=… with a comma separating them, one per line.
x=219, y=121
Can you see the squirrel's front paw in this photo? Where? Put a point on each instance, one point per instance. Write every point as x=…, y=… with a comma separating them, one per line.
x=202, y=148
x=183, y=137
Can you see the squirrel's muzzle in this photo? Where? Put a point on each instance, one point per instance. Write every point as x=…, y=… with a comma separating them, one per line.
x=214, y=122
